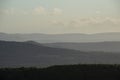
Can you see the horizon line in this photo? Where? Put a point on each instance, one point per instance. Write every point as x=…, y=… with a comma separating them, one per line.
x=60, y=33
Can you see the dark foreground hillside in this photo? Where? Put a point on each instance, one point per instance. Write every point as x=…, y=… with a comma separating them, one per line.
x=68, y=72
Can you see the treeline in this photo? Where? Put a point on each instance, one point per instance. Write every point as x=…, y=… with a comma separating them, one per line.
x=64, y=72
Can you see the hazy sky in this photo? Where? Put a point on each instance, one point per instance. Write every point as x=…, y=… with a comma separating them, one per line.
x=59, y=16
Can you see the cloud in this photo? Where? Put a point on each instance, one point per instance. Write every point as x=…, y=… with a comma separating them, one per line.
x=24, y=12
x=57, y=23
x=94, y=21
x=13, y=11
x=57, y=11
x=10, y=11
x=39, y=10
x=89, y=21
x=42, y=10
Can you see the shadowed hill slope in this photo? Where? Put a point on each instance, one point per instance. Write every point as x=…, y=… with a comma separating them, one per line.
x=15, y=54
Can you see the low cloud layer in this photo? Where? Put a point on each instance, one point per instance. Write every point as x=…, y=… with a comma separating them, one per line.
x=80, y=22
x=40, y=10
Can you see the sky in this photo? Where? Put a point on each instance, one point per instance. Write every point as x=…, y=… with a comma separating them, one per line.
x=59, y=16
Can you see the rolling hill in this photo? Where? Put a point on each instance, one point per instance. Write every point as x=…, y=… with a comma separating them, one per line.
x=89, y=46
x=16, y=54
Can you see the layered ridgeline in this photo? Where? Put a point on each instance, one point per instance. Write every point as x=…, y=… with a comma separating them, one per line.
x=52, y=38
x=16, y=54
x=89, y=46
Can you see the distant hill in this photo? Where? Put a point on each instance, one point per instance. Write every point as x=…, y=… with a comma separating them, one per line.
x=89, y=46
x=52, y=38
x=16, y=54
